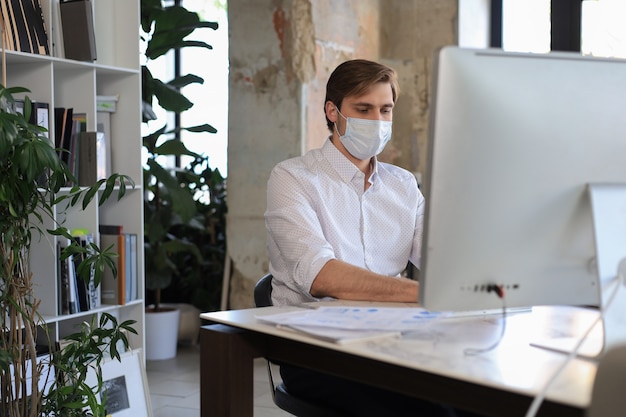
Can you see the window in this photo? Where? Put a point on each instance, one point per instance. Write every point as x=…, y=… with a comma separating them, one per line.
x=603, y=28
x=211, y=98
x=527, y=25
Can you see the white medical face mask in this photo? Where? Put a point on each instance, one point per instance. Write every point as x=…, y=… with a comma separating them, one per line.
x=364, y=138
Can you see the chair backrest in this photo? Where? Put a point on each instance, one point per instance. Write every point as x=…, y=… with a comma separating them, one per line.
x=263, y=291
x=282, y=398
x=607, y=398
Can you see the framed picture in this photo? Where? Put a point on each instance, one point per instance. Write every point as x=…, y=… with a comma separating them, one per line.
x=125, y=387
x=40, y=115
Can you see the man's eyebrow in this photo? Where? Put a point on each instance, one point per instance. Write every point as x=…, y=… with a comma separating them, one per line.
x=370, y=105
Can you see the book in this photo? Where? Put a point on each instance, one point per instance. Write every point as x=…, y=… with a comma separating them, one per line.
x=63, y=132
x=134, y=271
x=78, y=125
x=68, y=286
x=73, y=279
x=88, y=293
x=56, y=32
x=92, y=158
x=81, y=287
x=131, y=266
x=93, y=290
x=59, y=124
x=111, y=229
x=103, y=121
x=113, y=289
x=128, y=264
x=63, y=284
x=79, y=122
x=79, y=41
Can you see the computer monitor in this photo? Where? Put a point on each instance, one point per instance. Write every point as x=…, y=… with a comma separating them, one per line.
x=515, y=140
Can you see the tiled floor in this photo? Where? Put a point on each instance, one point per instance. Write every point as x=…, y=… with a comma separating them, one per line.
x=175, y=386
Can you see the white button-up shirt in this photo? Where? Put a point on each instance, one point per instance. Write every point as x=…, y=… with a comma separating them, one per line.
x=317, y=210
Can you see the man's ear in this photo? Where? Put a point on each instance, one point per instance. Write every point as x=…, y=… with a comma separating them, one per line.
x=331, y=111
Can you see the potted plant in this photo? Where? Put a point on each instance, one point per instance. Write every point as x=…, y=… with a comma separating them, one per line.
x=171, y=194
x=166, y=205
x=69, y=393
x=199, y=279
x=187, y=255
x=32, y=188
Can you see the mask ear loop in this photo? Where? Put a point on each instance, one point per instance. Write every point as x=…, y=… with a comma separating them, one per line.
x=335, y=123
x=337, y=130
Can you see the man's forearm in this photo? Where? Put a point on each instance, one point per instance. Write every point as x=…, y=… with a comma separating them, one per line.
x=344, y=281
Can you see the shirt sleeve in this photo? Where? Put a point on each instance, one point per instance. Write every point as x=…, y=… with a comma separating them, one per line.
x=416, y=251
x=296, y=243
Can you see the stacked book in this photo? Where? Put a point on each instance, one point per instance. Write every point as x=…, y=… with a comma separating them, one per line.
x=76, y=294
x=24, y=25
x=123, y=288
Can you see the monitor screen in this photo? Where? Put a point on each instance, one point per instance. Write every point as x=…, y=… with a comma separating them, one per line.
x=514, y=141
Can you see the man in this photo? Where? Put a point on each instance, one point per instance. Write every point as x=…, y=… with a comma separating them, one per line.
x=342, y=224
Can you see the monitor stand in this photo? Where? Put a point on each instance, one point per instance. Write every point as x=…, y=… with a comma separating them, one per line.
x=608, y=206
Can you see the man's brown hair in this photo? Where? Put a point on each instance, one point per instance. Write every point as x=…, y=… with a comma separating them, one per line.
x=353, y=78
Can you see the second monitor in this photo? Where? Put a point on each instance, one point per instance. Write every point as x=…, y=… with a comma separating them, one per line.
x=515, y=141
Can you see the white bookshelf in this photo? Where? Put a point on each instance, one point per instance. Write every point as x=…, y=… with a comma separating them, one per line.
x=68, y=83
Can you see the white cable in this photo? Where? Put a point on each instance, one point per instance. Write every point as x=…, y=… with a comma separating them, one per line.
x=478, y=351
x=534, y=406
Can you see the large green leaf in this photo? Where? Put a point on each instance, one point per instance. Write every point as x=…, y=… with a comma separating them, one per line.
x=174, y=147
x=181, y=199
x=171, y=27
x=169, y=97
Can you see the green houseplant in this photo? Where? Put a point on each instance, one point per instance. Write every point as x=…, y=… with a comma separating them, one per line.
x=183, y=207
x=32, y=188
x=181, y=221
x=70, y=394
x=198, y=280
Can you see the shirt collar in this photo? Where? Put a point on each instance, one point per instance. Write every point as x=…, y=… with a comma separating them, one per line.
x=346, y=169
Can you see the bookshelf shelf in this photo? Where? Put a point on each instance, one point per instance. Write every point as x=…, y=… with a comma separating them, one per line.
x=61, y=82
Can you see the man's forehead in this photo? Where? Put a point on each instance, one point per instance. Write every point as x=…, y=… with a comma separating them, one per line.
x=376, y=94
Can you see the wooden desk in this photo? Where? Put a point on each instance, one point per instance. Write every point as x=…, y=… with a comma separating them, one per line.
x=428, y=363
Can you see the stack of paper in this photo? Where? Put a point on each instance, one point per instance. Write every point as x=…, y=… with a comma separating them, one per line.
x=351, y=324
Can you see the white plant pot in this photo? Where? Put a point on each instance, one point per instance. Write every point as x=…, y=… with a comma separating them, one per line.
x=161, y=334
x=189, y=324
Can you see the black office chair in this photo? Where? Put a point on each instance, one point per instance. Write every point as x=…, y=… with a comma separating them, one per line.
x=607, y=397
x=282, y=398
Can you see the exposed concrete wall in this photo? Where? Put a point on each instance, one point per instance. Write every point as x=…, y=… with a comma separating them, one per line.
x=264, y=127
x=410, y=33
x=281, y=53
x=345, y=29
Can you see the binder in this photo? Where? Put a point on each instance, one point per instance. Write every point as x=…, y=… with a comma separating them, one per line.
x=114, y=289
x=79, y=40
x=92, y=158
x=63, y=132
